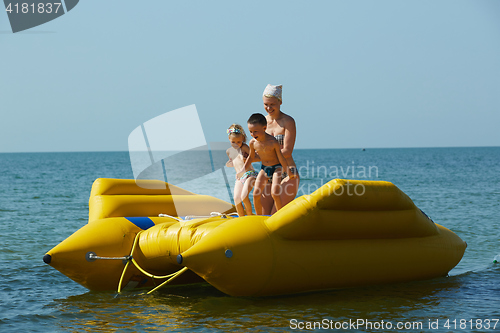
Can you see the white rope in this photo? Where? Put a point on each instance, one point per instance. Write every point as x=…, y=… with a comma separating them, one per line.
x=172, y=217
x=212, y=214
x=190, y=217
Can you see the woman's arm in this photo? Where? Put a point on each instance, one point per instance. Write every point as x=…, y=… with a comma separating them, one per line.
x=283, y=162
x=289, y=141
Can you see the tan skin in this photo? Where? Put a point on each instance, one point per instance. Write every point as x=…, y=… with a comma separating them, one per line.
x=236, y=155
x=281, y=123
x=268, y=149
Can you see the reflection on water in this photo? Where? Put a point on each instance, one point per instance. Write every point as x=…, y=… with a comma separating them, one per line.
x=201, y=307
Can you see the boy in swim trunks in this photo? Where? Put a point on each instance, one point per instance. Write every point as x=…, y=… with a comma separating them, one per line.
x=273, y=162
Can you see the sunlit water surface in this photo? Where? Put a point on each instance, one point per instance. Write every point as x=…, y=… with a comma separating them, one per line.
x=44, y=199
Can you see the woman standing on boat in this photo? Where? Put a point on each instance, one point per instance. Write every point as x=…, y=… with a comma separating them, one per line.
x=282, y=127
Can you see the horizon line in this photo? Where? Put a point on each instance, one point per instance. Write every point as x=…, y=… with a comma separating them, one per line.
x=126, y=151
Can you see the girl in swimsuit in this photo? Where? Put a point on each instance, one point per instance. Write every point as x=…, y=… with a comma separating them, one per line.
x=238, y=153
x=282, y=127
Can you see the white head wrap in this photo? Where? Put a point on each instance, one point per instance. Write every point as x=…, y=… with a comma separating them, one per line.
x=273, y=91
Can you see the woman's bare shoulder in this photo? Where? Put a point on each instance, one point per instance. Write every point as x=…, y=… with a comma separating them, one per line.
x=288, y=118
x=288, y=122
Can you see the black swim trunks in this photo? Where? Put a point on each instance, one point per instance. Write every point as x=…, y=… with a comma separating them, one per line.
x=269, y=170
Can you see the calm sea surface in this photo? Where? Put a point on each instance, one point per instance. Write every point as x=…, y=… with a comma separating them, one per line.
x=44, y=199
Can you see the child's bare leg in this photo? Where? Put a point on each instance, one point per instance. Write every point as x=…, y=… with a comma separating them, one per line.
x=238, y=186
x=289, y=188
x=260, y=183
x=276, y=188
x=267, y=200
x=245, y=193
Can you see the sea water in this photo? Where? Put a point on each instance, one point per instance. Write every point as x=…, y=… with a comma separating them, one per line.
x=44, y=199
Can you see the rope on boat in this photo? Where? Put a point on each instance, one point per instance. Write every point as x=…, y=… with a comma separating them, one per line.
x=174, y=275
x=190, y=217
x=212, y=214
x=172, y=217
x=130, y=259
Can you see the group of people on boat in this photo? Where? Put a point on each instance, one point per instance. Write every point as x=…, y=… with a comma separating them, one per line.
x=272, y=143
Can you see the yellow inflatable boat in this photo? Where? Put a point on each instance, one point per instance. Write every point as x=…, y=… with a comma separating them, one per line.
x=347, y=233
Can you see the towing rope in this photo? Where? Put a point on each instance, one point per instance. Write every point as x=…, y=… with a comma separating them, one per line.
x=130, y=259
x=173, y=276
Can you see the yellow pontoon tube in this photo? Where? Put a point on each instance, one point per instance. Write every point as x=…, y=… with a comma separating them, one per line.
x=347, y=233
x=124, y=224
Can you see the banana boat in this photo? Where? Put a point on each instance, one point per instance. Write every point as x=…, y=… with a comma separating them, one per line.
x=347, y=233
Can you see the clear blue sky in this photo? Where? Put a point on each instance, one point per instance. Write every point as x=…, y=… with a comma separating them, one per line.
x=354, y=73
